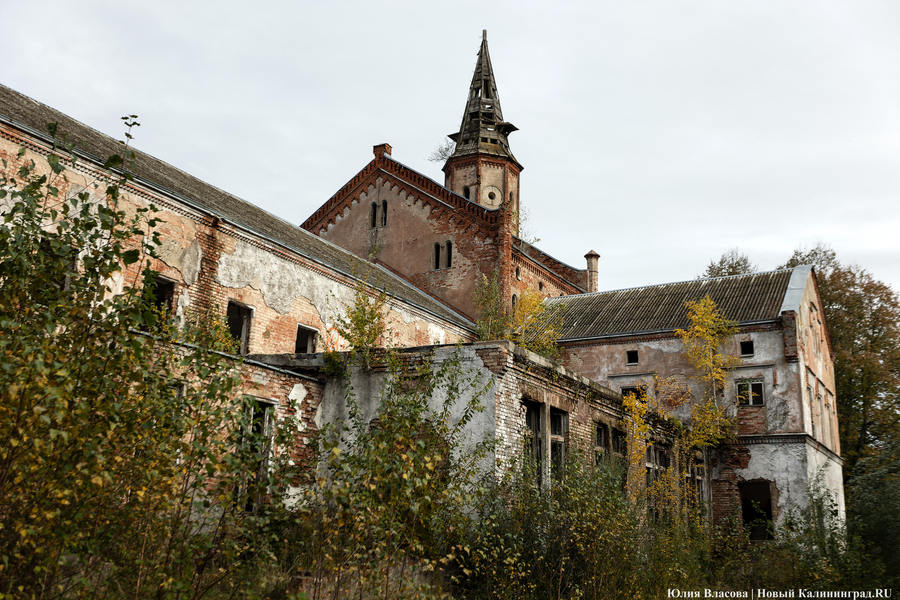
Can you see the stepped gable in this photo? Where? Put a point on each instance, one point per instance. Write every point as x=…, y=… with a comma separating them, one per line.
x=741, y=298
x=23, y=112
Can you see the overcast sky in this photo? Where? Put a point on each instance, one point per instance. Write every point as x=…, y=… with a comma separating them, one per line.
x=659, y=134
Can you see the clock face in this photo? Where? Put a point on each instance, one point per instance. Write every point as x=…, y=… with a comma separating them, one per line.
x=491, y=196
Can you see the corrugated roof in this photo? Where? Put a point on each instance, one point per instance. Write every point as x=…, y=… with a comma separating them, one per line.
x=25, y=111
x=742, y=298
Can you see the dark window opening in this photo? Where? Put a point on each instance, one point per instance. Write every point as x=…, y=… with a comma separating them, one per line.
x=750, y=393
x=515, y=300
x=257, y=443
x=631, y=357
x=518, y=274
x=559, y=425
x=238, y=317
x=492, y=195
x=373, y=219
x=533, y=439
x=437, y=256
x=756, y=508
x=601, y=442
x=306, y=340
x=510, y=197
x=637, y=391
x=466, y=192
x=160, y=294
x=747, y=348
x=449, y=254
x=384, y=213
x=540, y=286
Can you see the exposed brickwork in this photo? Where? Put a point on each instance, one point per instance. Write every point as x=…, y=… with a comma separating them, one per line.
x=751, y=420
x=789, y=320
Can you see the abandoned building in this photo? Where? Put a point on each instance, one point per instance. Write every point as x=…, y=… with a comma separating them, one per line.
x=425, y=244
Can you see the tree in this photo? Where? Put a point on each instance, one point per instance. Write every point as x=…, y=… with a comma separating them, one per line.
x=125, y=456
x=863, y=318
x=732, y=262
x=442, y=151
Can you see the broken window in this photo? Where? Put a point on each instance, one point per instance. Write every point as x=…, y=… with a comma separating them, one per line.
x=559, y=428
x=306, y=340
x=637, y=391
x=631, y=357
x=257, y=445
x=238, y=317
x=384, y=213
x=533, y=439
x=750, y=393
x=756, y=508
x=601, y=442
x=619, y=442
x=159, y=293
x=747, y=348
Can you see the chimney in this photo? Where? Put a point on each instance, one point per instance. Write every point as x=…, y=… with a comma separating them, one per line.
x=381, y=149
x=593, y=275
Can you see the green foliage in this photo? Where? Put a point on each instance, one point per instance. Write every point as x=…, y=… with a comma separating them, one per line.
x=127, y=460
x=363, y=324
x=390, y=495
x=532, y=325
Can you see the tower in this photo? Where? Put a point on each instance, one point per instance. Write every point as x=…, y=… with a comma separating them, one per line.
x=482, y=168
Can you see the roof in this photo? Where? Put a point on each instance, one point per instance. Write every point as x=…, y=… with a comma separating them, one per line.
x=741, y=298
x=29, y=115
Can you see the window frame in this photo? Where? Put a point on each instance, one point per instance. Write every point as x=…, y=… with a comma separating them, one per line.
x=750, y=396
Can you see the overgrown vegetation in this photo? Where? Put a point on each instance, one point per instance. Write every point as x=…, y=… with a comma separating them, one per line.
x=531, y=324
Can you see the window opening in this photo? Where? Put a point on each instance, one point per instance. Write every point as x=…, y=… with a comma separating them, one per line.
x=384, y=213
x=510, y=197
x=756, y=508
x=514, y=302
x=747, y=348
x=533, y=439
x=466, y=192
x=637, y=391
x=518, y=274
x=601, y=442
x=238, y=317
x=306, y=340
x=257, y=443
x=631, y=357
x=540, y=286
x=750, y=393
x=559, y=425
x=449, y=254
x=163, y=291
x=373, y=218
x=437, y=256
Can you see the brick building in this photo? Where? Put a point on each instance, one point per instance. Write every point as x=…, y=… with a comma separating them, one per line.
x=424, y=244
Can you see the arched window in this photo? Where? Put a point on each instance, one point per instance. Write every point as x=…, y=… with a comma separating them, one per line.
x=510, y=197
x=449, y=254
x=515, y=300
x=374, y=217
x=437, y=256
x=384, y=213
x=466, y=192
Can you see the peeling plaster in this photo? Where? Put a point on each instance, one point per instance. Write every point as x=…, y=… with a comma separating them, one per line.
x=186, y=260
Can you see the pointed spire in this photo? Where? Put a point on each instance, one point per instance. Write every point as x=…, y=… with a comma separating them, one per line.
x=483, y=129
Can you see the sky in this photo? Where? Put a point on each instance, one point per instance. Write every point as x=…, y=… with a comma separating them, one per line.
x=659, y=134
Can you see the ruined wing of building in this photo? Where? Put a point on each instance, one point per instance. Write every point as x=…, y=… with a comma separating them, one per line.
x=424, y=243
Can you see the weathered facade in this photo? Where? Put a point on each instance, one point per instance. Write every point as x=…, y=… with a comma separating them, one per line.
x=425, y=244
x=781, y=393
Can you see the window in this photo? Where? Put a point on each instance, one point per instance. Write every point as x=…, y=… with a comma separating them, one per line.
x=540, y=286
x=238, y=317
x=559, y=428
x=747, y=348
x=631, y=357
x=160, y=293
x=437, y=256
x=373, y=218
x=466, y=192
x=601, y=442
x=750, y=393
x=533, y=439
x=756, y=508
x=515, y=301
x=619, y=442
x=657, y=461
x=518, y=274
x=257, y=445
x=631, y=390
x=449, y=254
x=384, y=213
x=306, y=340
